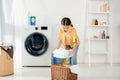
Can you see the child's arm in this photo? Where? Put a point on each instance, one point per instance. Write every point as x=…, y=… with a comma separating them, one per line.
x=59, y=44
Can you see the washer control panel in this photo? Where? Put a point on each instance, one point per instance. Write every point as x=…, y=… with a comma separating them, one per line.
x=41, y=28
x=44, y=28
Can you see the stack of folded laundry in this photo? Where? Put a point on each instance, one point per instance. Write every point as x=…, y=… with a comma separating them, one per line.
x=61, y=53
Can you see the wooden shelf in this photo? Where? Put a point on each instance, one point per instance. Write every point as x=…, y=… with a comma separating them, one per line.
x=99, y=52
x=98, y=0
x=99, y=39
x=100, y=26
x=98, y=46
x=99, y=12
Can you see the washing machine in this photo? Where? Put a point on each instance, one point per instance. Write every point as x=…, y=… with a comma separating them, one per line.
x=36, y=46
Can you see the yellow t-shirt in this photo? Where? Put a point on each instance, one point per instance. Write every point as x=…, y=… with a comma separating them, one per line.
x=71, y=36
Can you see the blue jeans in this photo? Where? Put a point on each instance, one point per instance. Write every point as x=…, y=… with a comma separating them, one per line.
x=73, y=60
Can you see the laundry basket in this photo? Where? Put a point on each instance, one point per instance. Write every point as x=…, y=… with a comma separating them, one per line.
x=57, y=60
x=6, y=60
x=62, y=72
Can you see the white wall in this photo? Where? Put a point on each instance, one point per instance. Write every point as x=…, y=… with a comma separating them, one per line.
x=115, y=29
x=50, y=13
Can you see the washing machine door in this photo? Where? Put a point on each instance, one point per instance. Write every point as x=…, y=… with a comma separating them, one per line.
x=36, y=44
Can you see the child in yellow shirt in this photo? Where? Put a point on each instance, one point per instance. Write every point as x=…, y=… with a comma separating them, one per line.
x=69, y=39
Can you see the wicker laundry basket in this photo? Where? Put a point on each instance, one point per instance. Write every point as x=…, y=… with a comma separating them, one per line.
x=6, y=60
x=62, y=72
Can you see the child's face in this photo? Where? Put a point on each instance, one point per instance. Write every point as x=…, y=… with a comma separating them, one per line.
x=66, y=28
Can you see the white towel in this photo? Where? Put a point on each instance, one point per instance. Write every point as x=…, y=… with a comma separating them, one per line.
x=61, y=53
x=75, y=69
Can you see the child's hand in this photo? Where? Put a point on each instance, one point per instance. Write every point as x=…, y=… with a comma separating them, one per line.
x=70, y=53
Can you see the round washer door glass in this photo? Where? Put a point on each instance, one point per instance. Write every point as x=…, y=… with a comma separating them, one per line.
x=36, y=44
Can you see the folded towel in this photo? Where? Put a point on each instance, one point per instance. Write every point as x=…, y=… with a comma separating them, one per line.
x=61, y=53
x=75, y=69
